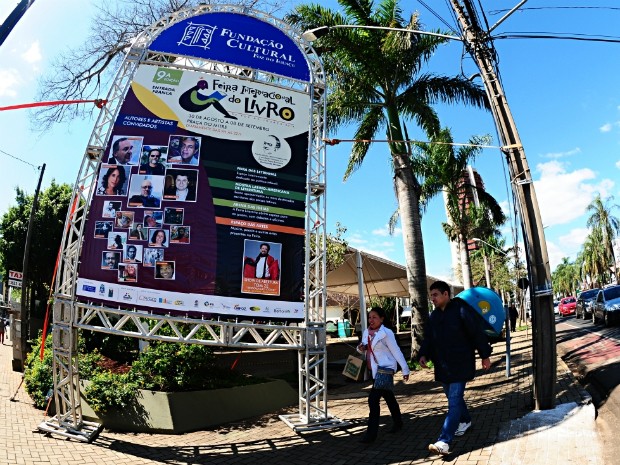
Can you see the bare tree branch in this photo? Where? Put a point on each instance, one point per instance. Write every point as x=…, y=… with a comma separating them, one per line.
x=86, y=72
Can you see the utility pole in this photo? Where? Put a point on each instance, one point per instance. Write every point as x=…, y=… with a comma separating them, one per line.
x=25, y=313
x=481, y=49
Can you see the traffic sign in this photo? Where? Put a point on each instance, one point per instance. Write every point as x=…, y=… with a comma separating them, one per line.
x=15, y=283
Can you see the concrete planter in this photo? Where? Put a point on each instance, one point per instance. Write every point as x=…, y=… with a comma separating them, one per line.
x=181, y=412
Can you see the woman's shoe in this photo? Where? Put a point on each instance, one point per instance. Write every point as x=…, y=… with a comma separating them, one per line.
x=367, y=439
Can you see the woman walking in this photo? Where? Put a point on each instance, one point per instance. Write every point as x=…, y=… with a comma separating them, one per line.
x=382, y=357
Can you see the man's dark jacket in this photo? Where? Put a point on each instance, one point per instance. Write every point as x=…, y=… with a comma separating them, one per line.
x=451, y=339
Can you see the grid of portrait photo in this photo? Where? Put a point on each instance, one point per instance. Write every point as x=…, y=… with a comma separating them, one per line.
x=142, y=221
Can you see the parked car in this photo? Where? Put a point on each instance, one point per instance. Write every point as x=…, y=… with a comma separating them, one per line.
x=607, y=306
x=567, y=306
x=585, y=301
x=556, y=304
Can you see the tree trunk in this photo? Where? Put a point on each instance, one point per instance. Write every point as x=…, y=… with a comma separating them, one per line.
x=465, y=266
x=407, y=193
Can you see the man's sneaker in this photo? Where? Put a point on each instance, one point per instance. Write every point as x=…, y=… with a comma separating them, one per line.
x=440, y=447
x=460, y=431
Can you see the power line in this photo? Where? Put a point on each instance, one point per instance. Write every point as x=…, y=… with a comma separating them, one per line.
x=18, y=159
x=497, y=12
x=557, y=36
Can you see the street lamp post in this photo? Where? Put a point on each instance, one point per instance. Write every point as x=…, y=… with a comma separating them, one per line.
x=543, y=322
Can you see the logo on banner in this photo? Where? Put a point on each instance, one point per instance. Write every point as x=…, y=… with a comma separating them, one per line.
x=168, y=76
x=199, y=98
x=197, y=35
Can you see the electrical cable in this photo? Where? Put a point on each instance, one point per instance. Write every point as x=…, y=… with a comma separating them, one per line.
x=18, y=159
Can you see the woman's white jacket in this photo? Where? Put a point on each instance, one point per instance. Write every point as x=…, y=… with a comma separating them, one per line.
x=386, y=351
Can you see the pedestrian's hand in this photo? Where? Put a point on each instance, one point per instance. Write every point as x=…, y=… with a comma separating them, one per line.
x=486, y=363
x=423, y=362
x=406, y=377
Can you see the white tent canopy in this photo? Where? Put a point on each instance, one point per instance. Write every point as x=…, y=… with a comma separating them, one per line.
x=381, y=277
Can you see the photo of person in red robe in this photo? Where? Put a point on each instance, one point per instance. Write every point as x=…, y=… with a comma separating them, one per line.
x=263, y=267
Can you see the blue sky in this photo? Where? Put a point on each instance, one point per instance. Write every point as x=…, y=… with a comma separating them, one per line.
x=563, y=95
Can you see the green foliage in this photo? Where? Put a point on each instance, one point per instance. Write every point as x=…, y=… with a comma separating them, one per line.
x=108, y=391
x=174, y=367
x=47, y=231
x=38, y=373
x=162, y=366
x=415, y=366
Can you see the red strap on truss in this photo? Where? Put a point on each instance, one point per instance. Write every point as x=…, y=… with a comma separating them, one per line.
x=99, y=103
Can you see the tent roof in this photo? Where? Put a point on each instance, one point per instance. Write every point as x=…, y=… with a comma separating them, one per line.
x=381, y=277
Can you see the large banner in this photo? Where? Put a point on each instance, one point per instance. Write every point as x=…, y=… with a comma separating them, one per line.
x=200, y=199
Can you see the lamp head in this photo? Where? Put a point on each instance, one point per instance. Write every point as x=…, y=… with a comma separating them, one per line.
x=313, y=34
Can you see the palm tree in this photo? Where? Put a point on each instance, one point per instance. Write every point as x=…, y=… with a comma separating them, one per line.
x=471, y=210
x=609, y=226
x=565, y=278
x=377, y=82
x=595, y=258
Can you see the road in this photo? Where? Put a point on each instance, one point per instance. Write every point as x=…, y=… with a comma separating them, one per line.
x=593, y=354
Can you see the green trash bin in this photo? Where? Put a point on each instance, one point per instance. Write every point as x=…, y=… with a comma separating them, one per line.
x=344, y=329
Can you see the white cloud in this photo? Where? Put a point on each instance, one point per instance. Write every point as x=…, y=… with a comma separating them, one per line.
x=33, y=54
x=576, y=190
x=606, y=127
x=618, y=164
x=383, y=247
x=567, y=246
x=385, y=232
x=9, y=81
x=569, y=153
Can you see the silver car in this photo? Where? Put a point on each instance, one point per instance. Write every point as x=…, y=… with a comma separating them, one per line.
x=606, y=307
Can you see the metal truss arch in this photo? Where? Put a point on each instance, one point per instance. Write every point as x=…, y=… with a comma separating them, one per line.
x=70, y=315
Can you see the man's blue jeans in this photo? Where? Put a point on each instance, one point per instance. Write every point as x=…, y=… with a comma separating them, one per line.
x=457, y=410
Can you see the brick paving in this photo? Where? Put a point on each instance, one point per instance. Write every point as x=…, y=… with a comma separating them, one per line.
x=504, y=430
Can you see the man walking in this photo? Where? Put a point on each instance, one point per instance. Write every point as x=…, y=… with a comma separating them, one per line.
x=451, y=339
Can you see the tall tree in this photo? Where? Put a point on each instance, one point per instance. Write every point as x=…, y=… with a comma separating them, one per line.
x=601, y=218
x=595, y=258
x=47, y=232
x=471, y=210
x=565, y=278
x=377, y=81
x=86, y=71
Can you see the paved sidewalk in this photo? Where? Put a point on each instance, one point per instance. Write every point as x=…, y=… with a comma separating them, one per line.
x=504, y=430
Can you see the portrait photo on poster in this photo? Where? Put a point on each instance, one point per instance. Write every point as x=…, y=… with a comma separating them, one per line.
x=262, y=260
x=132, y=253
x=164, y=270
x=184, y=150
x=271, y=151
x=152, y=256
x=110, y=260
x=179, y=234
x=153, y=219
x=124, y=220
x=117, y=240
x=153, y=160
x=125, y=150
x=158, y=237
x=173, y=215
x=145, y=191
x=113, y=180
x=137, y=232
x=127, y=273
x=102, y=229
x=181, y=185
x=110, y=207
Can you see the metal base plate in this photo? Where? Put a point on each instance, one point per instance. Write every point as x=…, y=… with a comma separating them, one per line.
x=300, y=424
x=88, y=431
